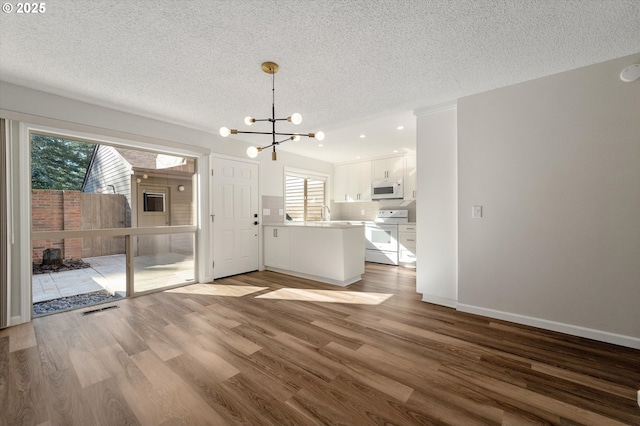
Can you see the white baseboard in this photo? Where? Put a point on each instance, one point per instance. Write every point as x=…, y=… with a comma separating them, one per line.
x=437, y=300
x=315, y=277
x=602, y=336
x=15, y=320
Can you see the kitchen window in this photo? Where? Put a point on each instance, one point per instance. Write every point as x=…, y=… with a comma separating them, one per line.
x=305, y=197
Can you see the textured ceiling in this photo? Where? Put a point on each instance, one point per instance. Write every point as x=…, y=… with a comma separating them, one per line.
x=350, y=67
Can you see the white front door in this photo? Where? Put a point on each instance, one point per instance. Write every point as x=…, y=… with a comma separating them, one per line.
x=235, y=221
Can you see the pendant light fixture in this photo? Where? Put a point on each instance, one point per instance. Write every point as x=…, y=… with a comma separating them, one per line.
x=252, y=151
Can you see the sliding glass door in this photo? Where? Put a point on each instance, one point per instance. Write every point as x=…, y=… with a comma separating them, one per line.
x=108, y=221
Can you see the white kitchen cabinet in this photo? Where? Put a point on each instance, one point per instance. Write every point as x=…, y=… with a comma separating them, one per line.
x=276, y=246
x=340, y=183
x=326, y=252
x=388, y=168
x=407, y=244
x=352, y=182
x=410, y=177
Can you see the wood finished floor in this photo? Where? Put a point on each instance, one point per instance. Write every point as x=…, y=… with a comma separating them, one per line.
x=265, y=348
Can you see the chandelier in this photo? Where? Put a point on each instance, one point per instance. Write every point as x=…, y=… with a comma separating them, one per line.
x=252, y=151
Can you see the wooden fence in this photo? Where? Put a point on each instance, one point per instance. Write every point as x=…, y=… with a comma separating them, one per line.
x=101, y=211
x=54, y=210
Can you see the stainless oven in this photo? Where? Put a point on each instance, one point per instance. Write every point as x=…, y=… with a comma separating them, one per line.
x=381, y=243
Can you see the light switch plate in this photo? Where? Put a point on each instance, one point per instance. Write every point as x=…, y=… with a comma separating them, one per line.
x=476, y=212
x=266, y=212
x=280, y=212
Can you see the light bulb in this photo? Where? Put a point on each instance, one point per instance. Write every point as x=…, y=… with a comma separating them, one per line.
x=252, y=152
x=295, y=138
x=224, y=132
x=295, y=118
x=320, y=136
x=249, y=121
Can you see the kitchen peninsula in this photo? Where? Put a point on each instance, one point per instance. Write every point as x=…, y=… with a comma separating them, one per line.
x=330, y=252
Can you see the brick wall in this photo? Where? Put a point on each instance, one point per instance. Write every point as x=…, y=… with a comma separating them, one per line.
x=56, y=211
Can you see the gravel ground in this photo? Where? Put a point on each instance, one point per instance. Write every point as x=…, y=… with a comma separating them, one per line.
x=72, y=302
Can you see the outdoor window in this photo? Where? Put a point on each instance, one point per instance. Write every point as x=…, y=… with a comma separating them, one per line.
x=153, y=202
x=305, y=197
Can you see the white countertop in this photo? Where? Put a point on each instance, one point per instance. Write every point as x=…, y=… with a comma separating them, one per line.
x=321, y=224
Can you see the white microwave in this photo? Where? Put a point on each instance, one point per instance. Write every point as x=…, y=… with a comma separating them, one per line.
x=386, y=189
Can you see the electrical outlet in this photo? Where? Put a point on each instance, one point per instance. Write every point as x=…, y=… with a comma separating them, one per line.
x=476, y=212
x=362, y=212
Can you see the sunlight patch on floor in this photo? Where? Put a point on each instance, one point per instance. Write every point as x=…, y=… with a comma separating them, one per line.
x=332, y=296
x=218, y=290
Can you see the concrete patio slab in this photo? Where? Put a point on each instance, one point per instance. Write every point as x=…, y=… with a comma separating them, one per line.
x=109, y=273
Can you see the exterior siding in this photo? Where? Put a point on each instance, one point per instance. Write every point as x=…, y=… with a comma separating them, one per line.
x=112, y=174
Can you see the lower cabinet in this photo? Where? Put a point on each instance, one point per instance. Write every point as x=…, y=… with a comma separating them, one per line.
x=330, y=254
x=407, y=244
x=276, y=246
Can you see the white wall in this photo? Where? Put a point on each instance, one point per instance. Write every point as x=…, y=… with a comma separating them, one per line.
x=436, y=206
x=555, y=162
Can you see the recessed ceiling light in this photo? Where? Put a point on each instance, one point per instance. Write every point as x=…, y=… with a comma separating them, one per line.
x=320, y=145
x=400, y=127
x=395, y=150
x=357, y=157
x=362, y=136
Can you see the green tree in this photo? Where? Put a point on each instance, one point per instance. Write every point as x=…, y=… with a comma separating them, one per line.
x=58, y=163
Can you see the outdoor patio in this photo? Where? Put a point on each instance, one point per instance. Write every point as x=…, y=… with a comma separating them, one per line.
x=109, y=273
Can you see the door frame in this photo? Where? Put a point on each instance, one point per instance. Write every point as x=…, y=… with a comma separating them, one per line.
x=4, y=234
x=209, y=266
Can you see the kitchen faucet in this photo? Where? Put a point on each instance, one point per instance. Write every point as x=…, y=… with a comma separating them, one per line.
x=322, y=212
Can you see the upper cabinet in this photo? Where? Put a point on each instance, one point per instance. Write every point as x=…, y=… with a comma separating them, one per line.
x=388, y=168
x=352, y=182
x=410, y=178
